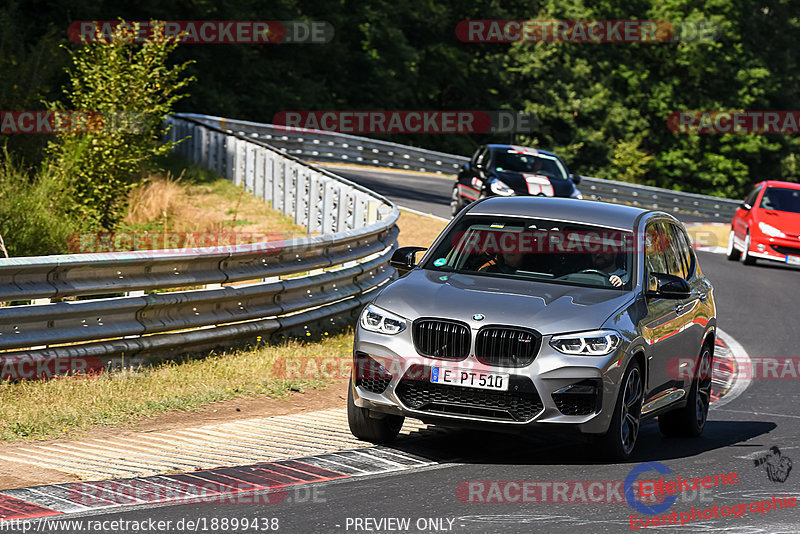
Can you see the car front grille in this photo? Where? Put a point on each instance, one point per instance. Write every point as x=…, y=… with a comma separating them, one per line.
x=369, y=374
x=506, y=347
x=417, y=392
x=440, y=338
x=789, y=251
x=582, y=398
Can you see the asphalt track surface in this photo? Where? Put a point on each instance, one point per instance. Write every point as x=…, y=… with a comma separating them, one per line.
x=757, y=305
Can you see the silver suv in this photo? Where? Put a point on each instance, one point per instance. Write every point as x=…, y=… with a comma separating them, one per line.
x=537, y=314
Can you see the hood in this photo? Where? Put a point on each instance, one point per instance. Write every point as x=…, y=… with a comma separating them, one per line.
x=547, y=308
x=535, y=184
x=785, y=221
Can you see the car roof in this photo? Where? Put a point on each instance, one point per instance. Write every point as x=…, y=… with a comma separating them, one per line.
x=778, y=183
x=513, y=147
x=563, y=209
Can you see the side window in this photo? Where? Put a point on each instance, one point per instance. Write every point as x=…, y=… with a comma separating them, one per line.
x=677, y=249
x=655, y=261
x=688, y=252
x=751, y=198
x=672, y=260
x=478, y=155
x=483, y=157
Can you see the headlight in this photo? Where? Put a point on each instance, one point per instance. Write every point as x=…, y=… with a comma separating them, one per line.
x=500, y=188
x=770, y=230
x=377, y=319
x=594, y=343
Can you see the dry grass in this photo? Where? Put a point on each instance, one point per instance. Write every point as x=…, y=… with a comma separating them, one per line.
x=66, y=406
x=164, y=205
x=418, y=230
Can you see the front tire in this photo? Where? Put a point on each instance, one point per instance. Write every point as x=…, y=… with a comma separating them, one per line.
x=620, y=440
x=456, y=201
x=690, y=420
x=364, y=427
x=747, y=258
x=733, y=254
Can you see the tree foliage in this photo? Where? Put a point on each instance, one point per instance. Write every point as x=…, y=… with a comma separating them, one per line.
x=128, y=89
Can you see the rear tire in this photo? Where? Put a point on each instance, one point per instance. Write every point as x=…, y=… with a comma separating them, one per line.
x=733, y=254
x=690, y=420
x=747, y=258
x=364, y=427
x=620, y=440
x=456, y=201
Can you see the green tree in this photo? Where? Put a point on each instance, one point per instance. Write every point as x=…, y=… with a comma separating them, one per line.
x=132, y=89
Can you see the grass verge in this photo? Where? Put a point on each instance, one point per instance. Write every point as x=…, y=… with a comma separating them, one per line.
x=31, y=410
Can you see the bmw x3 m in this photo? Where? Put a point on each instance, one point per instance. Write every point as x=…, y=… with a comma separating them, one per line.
x=531, y=315
x=511, y=170
x=767, y=225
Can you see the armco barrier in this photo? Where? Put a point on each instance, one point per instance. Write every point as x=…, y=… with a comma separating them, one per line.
x=318, y=145
x=106, y=306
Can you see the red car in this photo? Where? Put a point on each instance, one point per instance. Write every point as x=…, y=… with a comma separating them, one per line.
x=767, y=225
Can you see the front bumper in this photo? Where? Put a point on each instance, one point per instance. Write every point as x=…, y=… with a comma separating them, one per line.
x=781, y=249
x=540, y=396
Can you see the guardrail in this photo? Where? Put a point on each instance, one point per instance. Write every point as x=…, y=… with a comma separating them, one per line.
x=113, y=305
x=324, y=146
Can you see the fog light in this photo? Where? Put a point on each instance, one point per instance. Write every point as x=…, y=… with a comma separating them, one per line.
x=760, y=247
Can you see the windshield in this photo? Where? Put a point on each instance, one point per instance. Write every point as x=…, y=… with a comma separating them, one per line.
x=513, y=161
x=537, y=249
x=781, y=199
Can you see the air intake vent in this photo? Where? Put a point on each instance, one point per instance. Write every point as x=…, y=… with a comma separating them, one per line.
x=506, y=346
x=439, y=338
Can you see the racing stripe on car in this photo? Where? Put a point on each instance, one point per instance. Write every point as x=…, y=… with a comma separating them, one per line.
x=538, y=185
x=468, y=192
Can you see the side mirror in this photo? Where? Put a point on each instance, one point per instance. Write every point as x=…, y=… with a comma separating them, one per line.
x=669, y=286
x=745, y=206
x=576, y=178
x=404, y=260
x=466, y=166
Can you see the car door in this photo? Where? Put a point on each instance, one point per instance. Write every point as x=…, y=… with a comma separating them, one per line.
x=697, y=310
x=469, y=184
x=662, y=324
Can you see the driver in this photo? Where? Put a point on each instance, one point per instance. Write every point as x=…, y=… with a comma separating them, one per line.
x=607, y=263
x=505, y=263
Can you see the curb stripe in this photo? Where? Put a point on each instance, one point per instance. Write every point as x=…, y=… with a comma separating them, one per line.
x=212, y=485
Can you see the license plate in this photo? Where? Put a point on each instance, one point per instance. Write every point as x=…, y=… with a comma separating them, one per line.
x=793, y=260
x=469, y=378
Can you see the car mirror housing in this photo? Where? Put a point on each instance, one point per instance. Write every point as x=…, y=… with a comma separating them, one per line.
x=576, y=178
x=403, y=259
x=745, y=206
x=669, y=286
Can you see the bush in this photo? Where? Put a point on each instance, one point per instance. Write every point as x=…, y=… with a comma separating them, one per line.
x=34, y=210
x=124, y=81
